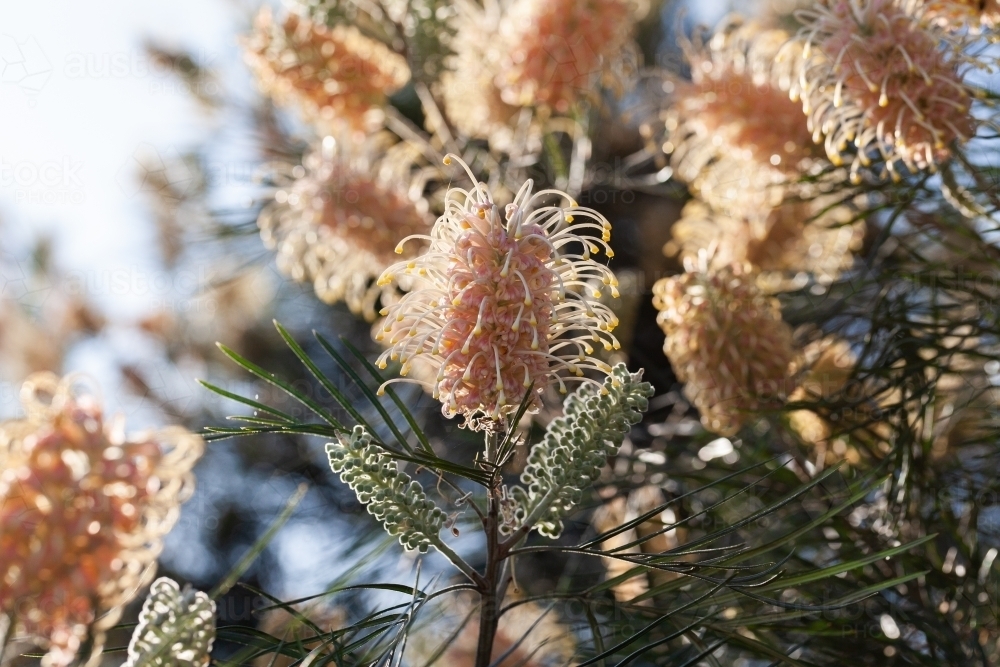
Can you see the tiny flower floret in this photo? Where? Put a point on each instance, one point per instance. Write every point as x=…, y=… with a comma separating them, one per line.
x=508, y=299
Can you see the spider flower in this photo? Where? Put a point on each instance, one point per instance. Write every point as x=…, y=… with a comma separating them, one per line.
x=733, y=133
x=796, y=240
x=469, y=89
x=880, y=75
x=558, y=50
x=331, y=74
x=727, y=342
x=82, y=513
x=505, y=301
x=336, y=223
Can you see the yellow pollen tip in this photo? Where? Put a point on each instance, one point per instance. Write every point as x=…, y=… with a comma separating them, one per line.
x=534, y=345
x=447, y=160
x=562, y=390
x=457, y=301
x=610, y=252
x=617, y=345
x=411, y=265
x=399, y=249
x=384, y=280
x=383, y=312
x=604, y=391
x=614, y=292
x=481, y=213
x=380, y=392
x=597, y=294
x=569, y=218
x=394, y=356
x=606, y=236
x=607, y=346
x=382, y=364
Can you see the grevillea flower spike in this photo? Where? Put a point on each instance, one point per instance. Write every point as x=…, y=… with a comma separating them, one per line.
x=505, y=302
x=881, y=75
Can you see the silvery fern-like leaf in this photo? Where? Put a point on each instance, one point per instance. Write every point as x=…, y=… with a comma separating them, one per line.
x=176, y=628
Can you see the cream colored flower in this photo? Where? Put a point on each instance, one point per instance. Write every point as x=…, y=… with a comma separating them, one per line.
x=733, y=133
x=726, y=342
x=338, y=219
x=503, y=302
x=559, y=51
x=881, y=76
x=83, y=510
x=795, y=241
x=469, y=85
x=333, y=75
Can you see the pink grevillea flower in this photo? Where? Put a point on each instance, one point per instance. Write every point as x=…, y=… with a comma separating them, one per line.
x=796, y=241
x=732, y=132
x=82, y=513
x=337, y=220
x=727, y=342
x=560, y=49
x=334, y=75
x=469, y=85
x=503, y=303
x=880, y=75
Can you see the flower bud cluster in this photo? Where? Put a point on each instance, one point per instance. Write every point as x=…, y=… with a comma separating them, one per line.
x=176, y=628
x=399, y=502
x=576, y=447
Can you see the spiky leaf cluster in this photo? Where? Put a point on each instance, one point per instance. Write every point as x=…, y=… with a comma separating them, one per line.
x=577, y=445
x=176, y=628
x=395, y=499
